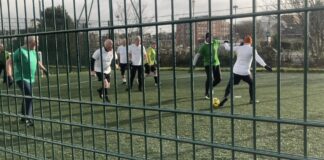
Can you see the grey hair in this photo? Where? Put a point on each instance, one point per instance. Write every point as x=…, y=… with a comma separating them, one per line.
x=30, y=39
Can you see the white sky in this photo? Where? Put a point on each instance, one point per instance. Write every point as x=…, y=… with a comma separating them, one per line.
x=181, y=8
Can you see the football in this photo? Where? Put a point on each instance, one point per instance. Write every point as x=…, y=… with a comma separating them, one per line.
x=216, y=102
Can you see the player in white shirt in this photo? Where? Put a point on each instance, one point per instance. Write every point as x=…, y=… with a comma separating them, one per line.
x=102, y=68
x=122, y=54
x=242, y=66
x=135, y=53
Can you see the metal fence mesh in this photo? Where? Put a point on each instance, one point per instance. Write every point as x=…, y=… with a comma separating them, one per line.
x=169, y=119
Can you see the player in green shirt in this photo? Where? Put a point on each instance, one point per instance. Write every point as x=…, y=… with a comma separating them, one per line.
x=211, y=61
x=4, y=56
x=24, y=62
x=150, y=65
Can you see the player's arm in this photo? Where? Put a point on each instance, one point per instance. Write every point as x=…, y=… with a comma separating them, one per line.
x=94, y=57
x=261, y=62
x=144, y=54
x=194, y=62
x=116, y=61
x=41, y=66
x=9, y=64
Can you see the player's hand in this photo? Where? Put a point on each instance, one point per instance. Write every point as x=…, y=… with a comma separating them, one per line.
x=117, y=66
x=268, y=68
x=45, y=73
x=93, y=73
x=9, y=81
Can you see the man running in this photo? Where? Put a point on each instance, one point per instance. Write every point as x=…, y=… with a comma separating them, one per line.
x=211, y=62
x=100, y=66
x=242, y=67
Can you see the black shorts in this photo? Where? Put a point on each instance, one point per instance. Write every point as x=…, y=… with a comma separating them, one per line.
x=123, y=68
x=245, y=78
x=100, y=76
x=149, y=69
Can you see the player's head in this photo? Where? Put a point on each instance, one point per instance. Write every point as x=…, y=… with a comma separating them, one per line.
x=137, y=40
x=207, y=37
x=153, y=44
x=248, y=40
x=31, y=42
x=123, y=42
x=108, y=44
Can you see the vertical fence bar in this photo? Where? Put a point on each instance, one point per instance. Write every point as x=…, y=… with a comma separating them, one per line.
x=48, y=81
x=278, y=77
x=306, y=44
x=158, y=53
x=128, y=80
x=1, y=98
x=232, y=81
x=10, y=129
x=174, y=65
x=65, y=25
x=57, y=74
x=192, y=52
x=254, y=79
x=101, y=44
x=39, y=88
x=210, y=79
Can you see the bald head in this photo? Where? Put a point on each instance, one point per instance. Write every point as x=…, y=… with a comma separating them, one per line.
x=108, y=44
x=31, y=42
x=137, y=40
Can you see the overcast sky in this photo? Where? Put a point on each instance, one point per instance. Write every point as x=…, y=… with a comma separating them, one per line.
x=181, y=8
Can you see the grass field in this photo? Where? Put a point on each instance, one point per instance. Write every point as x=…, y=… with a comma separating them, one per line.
x=173, y=121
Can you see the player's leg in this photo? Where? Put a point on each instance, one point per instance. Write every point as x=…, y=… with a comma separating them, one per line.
x=207, y=71
x=139, y=75
x=154, y=71
x=217, y=75
x=122, y=72
x=27, y=106
x=147, y=69
x=237, y=79
x=133, y=73
x=100, y=90
x=2, y=68
x=106, y=87
x=249, y=80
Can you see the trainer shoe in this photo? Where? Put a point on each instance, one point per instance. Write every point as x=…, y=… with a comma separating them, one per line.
x=207, y=96
x=124, y=81
x=29, y=123
x=100, y=93
x=256, y=101
x=221, y=104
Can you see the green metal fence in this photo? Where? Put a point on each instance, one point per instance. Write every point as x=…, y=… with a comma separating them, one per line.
x=171, y=120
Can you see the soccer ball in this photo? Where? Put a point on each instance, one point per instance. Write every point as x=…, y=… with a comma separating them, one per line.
x=216, y=102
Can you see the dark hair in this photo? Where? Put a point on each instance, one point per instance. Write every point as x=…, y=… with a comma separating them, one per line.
x=207, y=35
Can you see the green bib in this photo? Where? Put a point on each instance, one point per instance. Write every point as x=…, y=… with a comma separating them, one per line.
x=25, y=65
x=210, y=57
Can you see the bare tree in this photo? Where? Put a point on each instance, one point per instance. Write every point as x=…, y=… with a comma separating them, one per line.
x=315, y=24
x=132, y=14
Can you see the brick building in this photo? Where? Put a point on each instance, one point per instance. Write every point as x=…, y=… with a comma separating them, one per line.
x=220, y=29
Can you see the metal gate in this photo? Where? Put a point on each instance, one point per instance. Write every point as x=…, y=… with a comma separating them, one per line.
x=167, y=117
